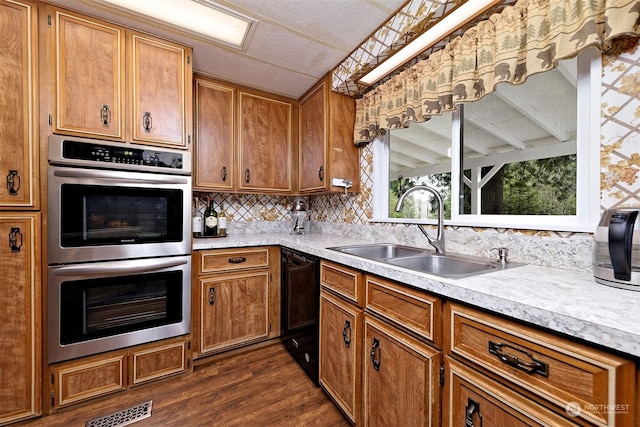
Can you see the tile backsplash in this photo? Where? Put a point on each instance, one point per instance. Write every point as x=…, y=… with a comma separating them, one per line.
x=349, y=215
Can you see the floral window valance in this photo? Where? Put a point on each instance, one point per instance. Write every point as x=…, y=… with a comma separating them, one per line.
x=526, y=38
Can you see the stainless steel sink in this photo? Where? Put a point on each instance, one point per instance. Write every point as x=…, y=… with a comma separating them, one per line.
x=379, y=251
x=443, y=265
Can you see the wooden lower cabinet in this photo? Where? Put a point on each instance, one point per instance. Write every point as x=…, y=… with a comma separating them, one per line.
x=20, y=335
x=340, y=353
x=155, y=361
x=234, y=300
x=87, y=378
x=559, y=372
x=234, y=310
x=401, y=378
x=473, y=400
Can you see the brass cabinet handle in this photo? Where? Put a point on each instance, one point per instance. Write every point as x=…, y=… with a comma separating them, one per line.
x=247, y=176
x=470, y=410
x=321, y=173
x=375, y=361
x=13, y=182
x=223, y=174
x=346, y=333
x=147, y=122
x=212, y=296
x=14, y=234
x=535, y=366
x=237, y=260
x=105, y=115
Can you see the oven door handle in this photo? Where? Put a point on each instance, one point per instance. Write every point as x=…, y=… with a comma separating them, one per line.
x=100, y=174
x=137, y=266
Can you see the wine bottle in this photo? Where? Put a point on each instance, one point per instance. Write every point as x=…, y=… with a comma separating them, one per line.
x=222, y=221
x=197, y=222
x=211, y=220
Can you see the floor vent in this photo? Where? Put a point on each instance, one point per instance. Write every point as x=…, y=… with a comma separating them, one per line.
x=124, y=417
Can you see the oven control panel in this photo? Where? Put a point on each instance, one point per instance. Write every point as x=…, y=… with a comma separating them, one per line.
x=115, y=155
x=127, y=155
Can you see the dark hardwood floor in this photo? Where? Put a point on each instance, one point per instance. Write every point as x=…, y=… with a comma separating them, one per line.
x=262, y=387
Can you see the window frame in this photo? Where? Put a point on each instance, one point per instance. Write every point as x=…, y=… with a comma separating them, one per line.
x=589, y=86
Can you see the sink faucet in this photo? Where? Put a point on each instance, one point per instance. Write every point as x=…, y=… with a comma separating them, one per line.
x=438, y=242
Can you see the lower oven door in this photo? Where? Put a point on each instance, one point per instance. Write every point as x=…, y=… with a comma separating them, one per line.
x=103, y=306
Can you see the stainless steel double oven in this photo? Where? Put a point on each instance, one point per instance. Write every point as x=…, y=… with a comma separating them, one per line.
x=119, y=244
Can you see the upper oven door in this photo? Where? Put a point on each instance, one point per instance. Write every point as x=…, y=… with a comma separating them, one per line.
x=97, y=215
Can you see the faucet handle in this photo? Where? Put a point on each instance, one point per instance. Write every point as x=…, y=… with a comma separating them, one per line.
x=503, y=254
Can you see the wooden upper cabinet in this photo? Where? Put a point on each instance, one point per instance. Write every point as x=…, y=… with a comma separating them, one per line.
x=160, y=86
x=214, y=165
x=18, y=105
x=89, y=64
x=326, y=141
x=117, y=84
x=313, y=140
x=265, y=143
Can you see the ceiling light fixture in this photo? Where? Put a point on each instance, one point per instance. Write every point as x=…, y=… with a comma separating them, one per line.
x=197, y=17
x=460, y=16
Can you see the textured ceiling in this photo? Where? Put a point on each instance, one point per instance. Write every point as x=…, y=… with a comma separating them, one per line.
x=295, y=44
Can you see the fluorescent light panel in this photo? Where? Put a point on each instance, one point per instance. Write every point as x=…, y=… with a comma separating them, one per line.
x=447, y=25
x=203, y=17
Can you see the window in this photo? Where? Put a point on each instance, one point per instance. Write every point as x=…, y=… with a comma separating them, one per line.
x=524, y=156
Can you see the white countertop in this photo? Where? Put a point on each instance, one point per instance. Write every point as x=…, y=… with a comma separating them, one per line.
x=564, y=301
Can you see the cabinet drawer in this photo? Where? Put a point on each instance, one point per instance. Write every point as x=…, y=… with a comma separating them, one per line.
x=158, y=361
x=472, y=399
x=343, y=281
x=93, y=378
x=236, y=259
x=411, y=309
x=558, y=370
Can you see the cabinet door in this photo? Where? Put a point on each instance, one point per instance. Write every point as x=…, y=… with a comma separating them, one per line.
x=313, y=141
x=473, y=400
x=20, y=367
x=344, y=157
x=234, y=310
x=215, y=139
x=158, y=360
x=401, y=378
x=89, y=77
x=87, y=378
x=265, y=144
x=340, y=346
x=160, y=83
x=326, y=141
x=18, y=104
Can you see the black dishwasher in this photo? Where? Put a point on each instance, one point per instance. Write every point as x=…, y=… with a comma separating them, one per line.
x=300, y=298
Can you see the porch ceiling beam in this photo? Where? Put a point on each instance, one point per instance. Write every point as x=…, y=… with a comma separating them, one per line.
x=494, y=130
x=531, y=112
x=568, y=74
x=416, y=151
x=424, y=138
